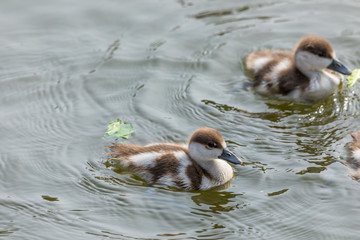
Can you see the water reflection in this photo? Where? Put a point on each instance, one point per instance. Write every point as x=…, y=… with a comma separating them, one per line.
x=220, y=13
x=310, y=133
x=312, y=170
x=216, y=202
x=8, y=232
x=259, y=165
x=168, y=67
x=278, y=192
x=233, y=14
x=49, y=198
x=108, y=55
x=271, y=116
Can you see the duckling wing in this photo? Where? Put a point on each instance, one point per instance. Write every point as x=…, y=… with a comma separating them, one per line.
x=124, y=150
x=161, y=163
x=275, y=72
x=263, y=62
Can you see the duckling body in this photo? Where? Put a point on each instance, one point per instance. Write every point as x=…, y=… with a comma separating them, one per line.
x=354, y=161
x=303, y=75
x=199, y=165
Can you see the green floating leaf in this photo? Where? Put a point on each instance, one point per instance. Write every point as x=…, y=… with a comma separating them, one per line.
x=353, y=77
x=119, y=129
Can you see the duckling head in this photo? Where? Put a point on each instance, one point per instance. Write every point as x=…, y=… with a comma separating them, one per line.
x=314, y=54
x=207, y=144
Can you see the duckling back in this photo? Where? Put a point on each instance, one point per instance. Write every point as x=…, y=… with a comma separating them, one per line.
x=163, y=163
x=274, y=73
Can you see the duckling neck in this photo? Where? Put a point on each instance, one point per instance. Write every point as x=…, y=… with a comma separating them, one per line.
x=320, y=79
x=219, y=171
x=305, y=66
x=323, y=82
x=308, y=72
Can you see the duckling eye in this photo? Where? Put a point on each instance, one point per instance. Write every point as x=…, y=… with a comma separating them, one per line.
x=211, y=144
x=321, y=54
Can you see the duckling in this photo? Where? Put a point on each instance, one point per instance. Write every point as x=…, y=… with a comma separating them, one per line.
x=303, y=75
x=354, y=161
x=199, y=165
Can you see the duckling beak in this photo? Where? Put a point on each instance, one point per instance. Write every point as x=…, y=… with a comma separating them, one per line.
x=339, y=67
x=230, y=157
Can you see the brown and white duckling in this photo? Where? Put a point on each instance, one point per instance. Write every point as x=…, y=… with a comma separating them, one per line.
x=302, y=75
x=199, y=165
x=354, y=161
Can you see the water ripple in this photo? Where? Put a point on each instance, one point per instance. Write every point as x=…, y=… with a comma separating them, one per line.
x=169, y=67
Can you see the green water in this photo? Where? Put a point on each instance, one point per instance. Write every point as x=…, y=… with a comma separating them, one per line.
x=68, y=68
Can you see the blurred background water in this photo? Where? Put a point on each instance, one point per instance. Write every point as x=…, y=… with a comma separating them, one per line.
x=68, y=68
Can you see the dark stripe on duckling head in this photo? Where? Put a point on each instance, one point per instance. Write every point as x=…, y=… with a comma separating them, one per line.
x=316, y=45
x=208, y=136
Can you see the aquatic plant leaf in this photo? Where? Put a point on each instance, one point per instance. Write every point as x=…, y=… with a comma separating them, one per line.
x=119, y=129
x=353, y=77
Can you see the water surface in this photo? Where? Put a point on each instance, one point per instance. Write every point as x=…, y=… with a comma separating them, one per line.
x=69, y=68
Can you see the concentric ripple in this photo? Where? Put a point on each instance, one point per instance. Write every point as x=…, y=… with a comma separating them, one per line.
x=67, y=69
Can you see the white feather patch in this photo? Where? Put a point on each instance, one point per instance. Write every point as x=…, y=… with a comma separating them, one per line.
x=184, y=162
x=145, y=159
x=281, y=66
x=259, y=63
x=356, y=154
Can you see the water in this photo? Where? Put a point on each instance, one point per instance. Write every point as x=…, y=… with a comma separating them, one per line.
x=69, y=68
